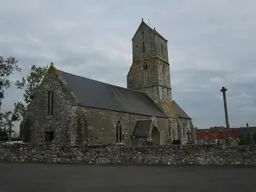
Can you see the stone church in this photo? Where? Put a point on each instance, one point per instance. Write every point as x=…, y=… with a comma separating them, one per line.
x=72, y=110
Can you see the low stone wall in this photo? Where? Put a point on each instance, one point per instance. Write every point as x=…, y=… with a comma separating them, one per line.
x=174, y=155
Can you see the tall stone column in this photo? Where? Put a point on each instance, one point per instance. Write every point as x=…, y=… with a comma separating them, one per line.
x=223, y=90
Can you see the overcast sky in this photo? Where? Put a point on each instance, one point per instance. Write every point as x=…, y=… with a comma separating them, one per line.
x=211, y=44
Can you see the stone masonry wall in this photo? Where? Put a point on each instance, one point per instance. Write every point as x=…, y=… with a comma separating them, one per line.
x=175, y=155
x=102, y=126
x=60, y=120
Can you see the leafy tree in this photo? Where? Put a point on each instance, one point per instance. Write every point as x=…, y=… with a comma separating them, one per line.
x=29, y=85
x=7, y=67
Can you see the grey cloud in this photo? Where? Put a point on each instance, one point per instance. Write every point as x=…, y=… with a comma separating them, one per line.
x=211, y=44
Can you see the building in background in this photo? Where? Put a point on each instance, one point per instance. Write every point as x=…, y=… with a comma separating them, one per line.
x=242, y=135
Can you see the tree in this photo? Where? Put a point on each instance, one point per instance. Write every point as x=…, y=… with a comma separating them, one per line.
x=29, y=84
x=7, y=68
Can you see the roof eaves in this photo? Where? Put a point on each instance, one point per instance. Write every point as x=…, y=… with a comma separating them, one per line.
x=142, y=114
x=184, y=115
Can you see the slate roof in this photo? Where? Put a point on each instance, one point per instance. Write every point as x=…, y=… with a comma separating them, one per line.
x=141, y=128
x=96, y=94
x=179, y=112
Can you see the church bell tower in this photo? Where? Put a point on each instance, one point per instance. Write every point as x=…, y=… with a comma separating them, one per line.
x=150, y=71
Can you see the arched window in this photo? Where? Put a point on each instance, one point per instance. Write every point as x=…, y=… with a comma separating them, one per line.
x=50, y=102
x=155, y=135
x=143, y=44
x=143, y=47
x=118, y=132
x=145, y=66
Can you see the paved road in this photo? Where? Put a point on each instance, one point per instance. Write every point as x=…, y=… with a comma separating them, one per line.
x=76, y=178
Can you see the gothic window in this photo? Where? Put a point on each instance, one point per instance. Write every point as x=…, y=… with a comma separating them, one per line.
x=145, y=74
x=118, y=132
x=143, y=44
x=50, y=102
x=145, y=66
